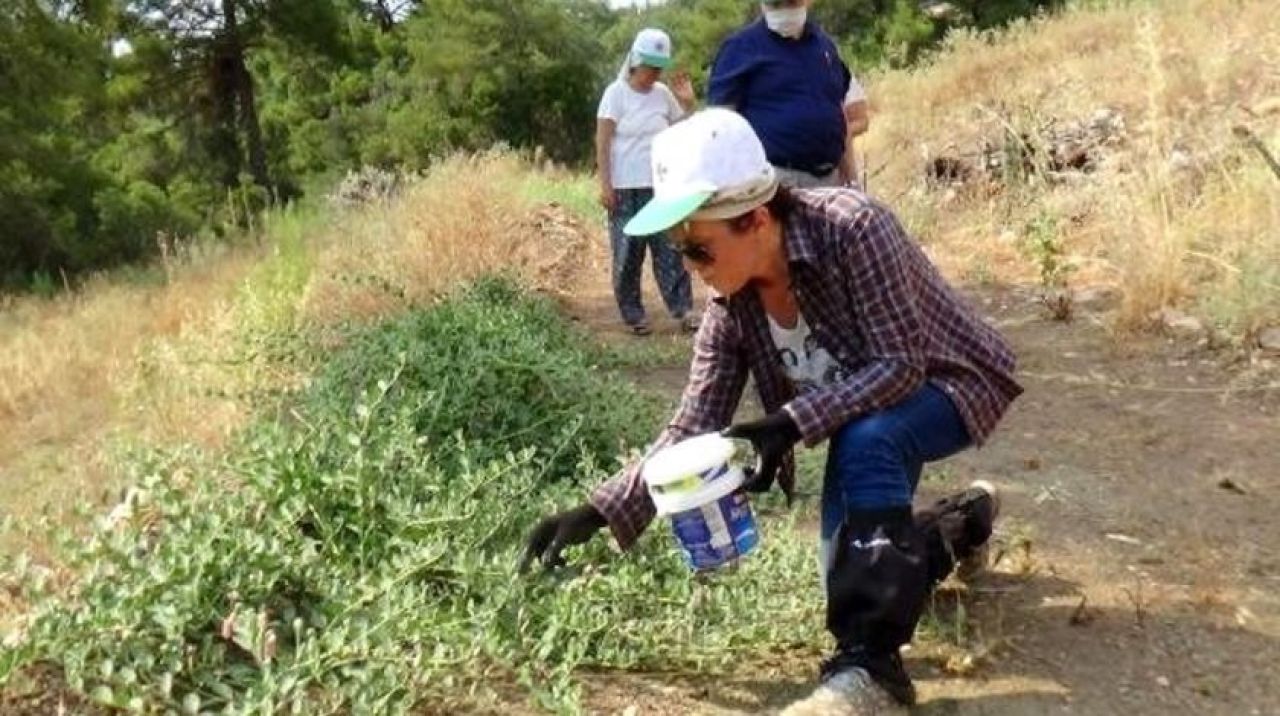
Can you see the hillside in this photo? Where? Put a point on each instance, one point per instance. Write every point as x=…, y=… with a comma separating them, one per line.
x=1111, y=137
x=1085, y=178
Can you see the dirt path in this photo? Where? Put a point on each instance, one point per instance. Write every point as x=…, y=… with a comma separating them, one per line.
x=1140, y=554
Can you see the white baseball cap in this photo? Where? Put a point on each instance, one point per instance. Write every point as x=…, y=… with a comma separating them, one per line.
x=652, y=48
x=709, y=166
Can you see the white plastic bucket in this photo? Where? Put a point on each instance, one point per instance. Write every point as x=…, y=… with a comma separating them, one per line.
x=695, y=483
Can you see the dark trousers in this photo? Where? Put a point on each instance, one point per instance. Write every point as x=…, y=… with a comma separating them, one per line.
x=875, y=462
x=628, y=262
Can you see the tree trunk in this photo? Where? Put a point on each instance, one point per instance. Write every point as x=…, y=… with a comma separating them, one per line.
x=225, y=142
x=247, y=103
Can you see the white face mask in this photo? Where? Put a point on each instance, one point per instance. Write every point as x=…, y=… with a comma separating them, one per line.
x=786, y=21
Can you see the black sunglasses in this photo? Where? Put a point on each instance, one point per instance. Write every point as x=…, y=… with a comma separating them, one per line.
x=696, y=253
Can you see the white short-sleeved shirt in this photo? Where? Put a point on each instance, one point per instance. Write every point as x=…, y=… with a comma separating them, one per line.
x=807, y=364
x=639, y=116
x=855, y=93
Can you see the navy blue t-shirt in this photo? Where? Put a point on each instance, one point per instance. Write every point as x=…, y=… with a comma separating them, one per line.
x=791, y=91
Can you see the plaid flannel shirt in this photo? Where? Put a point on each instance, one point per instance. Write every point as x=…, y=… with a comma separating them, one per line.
x=875, y=302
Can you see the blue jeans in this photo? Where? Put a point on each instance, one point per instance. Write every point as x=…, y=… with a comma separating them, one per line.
x=628, y=262
x=874, y=462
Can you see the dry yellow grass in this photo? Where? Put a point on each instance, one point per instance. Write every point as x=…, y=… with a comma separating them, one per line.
x=177, y=361
x=469, y=216
x=64, y=363
x=1183, y=213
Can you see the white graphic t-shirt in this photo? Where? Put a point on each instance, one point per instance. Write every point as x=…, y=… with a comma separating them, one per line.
x=639, y=116
x=807, y=364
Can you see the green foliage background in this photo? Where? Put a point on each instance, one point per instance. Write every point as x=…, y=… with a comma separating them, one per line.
x=125, y=120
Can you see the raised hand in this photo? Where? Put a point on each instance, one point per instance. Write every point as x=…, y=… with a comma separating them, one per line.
x=682, y=88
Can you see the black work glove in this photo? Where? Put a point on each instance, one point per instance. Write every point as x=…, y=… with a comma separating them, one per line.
x=772, y=436
x=553, y=534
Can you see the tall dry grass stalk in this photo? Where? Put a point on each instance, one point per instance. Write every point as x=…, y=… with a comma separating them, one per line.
x=1180, y=213
x=181, y=360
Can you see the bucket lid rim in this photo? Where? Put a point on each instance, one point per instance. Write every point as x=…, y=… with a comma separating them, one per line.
x=709, y=492
x=686, y=458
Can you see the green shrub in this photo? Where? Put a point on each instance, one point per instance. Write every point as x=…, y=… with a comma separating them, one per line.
x=501, y=368
x=359, y=557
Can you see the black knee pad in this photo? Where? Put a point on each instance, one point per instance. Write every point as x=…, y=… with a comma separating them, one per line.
x=962, y=521
x=879, y=580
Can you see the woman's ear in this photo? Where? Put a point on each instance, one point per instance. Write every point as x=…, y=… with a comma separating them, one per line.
x=760, y=217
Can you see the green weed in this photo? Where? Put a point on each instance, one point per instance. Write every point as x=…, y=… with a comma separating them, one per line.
x=1042, y=243
x=655, y=352
x=577, y=192
x=359, y=556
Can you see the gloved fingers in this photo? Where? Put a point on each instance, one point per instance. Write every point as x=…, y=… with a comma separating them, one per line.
x=753, y=481
x=742, y=431
x=762, y=478
x=552, y=558
x=539, y=539
x=769, y=465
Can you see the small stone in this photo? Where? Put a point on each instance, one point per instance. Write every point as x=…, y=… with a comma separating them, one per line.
x=1269, y=339
x=1163, y=681
x=1106, y=120
x=1244, y=616
x=1178, y=322
x=1181, y=160
x=1269, y=105
x=1230, y=485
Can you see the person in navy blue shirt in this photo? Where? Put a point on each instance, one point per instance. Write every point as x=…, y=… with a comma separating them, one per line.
x=784, y=74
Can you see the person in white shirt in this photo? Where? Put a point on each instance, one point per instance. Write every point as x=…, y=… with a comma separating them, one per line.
x=633, y=109
x=857, y=119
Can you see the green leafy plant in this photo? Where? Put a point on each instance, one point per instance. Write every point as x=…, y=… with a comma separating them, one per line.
x=1042, y=243
x=358, y=556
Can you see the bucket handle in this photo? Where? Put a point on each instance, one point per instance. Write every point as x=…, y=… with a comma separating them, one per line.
x=745, y=456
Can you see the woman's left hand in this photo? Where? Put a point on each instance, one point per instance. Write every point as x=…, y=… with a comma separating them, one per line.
x=682, y=88
x=772, y=436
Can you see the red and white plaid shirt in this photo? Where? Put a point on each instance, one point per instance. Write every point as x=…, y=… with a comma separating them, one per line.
x=875, y=302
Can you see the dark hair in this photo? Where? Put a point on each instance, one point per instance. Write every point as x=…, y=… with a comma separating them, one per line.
x=779, y=207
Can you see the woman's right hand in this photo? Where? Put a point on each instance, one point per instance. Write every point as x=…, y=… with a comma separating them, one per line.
x=553, y=534
x=608, y=199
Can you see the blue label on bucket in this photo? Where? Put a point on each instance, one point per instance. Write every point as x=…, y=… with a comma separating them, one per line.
x=716, y=533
